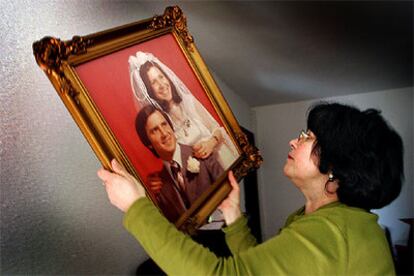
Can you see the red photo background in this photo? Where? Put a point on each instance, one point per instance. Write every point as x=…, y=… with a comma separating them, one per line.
x=108, y=82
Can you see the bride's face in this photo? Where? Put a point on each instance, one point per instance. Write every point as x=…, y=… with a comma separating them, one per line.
x=159, y=84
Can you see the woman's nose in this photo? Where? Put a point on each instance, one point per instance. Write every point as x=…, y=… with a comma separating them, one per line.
x=293, y=143
x=163, y=132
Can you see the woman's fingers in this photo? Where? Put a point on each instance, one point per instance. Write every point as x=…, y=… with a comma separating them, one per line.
x=118, y=168
x=155, y=183
x=197, y=147
x=202, y=150
x=233, y=181
x=231, y=205
x=122, y=189
x=156, y=187
x=104, y=175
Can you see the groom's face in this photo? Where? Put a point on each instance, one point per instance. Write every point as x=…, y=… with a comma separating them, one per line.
x=161, y=135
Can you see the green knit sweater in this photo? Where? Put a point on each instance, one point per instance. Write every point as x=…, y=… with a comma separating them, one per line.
x=334, y=240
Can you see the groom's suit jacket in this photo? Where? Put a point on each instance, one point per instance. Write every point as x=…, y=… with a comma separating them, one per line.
x=169, y=199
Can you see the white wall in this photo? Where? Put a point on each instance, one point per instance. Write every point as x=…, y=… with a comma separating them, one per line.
x=55, y=216
x=240, y=108
x=276, y=125
x=243, y=114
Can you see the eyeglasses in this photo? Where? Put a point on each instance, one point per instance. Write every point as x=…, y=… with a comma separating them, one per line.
x=303, y=136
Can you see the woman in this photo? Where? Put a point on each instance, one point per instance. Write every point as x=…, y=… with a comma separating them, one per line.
x=345, y=164
x=154, y=83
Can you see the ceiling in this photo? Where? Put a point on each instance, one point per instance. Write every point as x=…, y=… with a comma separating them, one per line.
x=276, y=52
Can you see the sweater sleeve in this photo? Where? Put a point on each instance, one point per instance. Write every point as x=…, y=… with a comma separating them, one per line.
x=172, y=250
x=307, y=246
x=238, y=236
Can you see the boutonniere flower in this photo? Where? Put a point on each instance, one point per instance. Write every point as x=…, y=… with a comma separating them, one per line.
x=193, y=165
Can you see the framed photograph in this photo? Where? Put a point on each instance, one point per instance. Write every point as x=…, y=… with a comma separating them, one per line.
x=142, y=94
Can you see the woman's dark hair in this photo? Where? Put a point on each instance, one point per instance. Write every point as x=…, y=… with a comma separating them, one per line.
x=144, y=76
x=362, y=151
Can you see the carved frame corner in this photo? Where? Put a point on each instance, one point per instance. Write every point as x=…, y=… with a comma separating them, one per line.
x=175, y=18
x=253, y=158
x=51, y=53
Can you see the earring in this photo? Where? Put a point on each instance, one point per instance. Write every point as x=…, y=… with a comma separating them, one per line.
x=330, y=177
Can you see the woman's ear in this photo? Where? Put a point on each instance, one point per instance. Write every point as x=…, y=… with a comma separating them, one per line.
x=331, y=187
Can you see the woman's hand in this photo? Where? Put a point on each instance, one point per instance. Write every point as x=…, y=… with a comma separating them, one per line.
x=230, y=207
x=155, y=182
x=204, y=149
x=122, y=188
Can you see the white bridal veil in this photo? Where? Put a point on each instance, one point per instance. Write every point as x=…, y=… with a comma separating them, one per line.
x=190, y=105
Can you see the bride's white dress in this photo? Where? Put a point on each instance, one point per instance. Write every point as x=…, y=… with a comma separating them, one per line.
x=191, y=120
x=193, y=126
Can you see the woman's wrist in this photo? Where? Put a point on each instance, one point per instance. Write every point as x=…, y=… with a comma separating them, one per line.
x=231, y=217
x=214, y=141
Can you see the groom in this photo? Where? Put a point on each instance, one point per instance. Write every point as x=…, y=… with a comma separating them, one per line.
x=184, y=178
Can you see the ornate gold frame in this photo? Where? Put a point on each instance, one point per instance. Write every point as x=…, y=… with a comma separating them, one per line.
x=58, y=58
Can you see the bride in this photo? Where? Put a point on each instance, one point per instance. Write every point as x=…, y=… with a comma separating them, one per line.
x=154, y=83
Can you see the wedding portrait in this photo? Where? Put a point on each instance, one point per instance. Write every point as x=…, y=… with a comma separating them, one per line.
x=159, y=112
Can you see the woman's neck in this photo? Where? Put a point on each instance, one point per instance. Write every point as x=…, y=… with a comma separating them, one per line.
x=171, y=104
x=312, y=206
x=177, y=113
x=315, y=193
x=316, y=198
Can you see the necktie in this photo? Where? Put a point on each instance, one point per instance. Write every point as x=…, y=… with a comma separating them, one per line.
x=179, y=179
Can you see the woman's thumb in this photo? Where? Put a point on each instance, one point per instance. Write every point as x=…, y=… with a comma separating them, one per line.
x=118, y=168
x=233, y=181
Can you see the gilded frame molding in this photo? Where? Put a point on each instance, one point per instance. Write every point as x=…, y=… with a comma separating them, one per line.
x=58, y=59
